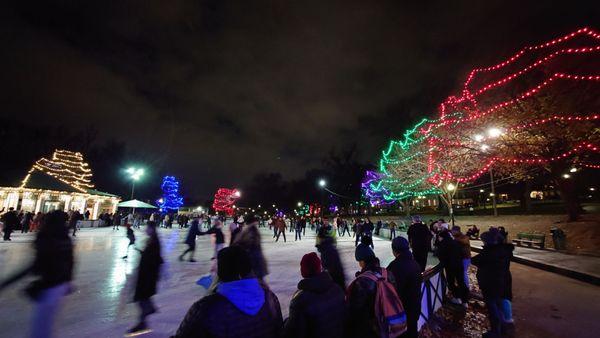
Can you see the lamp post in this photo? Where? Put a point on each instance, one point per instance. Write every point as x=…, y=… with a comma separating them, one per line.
x=492, y=133
x=322, y=185
x=135, y=174
x=450, y=188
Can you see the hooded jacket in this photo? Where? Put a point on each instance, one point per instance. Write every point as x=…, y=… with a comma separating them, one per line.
x=493, y=274
x=249, y=240
x=239, y=309
x=317, y=309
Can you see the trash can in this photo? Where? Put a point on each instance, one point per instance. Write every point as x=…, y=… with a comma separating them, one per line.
x=559, y=238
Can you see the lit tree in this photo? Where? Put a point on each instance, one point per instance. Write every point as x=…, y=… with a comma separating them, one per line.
x=171, y=200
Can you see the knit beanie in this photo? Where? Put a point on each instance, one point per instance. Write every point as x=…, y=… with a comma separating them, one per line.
x=310, y=265
x=363, y=252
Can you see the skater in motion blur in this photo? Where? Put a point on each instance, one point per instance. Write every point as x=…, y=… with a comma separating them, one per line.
x=131, y=237
x=53, y=264
x=147, y=278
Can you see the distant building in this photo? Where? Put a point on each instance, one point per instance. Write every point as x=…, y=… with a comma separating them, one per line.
x=61, y=183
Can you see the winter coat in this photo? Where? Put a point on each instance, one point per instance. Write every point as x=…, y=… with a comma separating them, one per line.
x=449, y=254
x=219, y=237
x=419, y=237
x=249, y=240
x=465, y=245
x=361, y=306
x=408, y=278
x=148, y=270
x=194, y=231
x=317, y=309
x=11, y=220
x=239, y=309
x=330, y=259
x=493, y=274
x=53, y=261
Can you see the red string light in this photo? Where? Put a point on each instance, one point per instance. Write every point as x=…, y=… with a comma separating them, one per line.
x=225, y=199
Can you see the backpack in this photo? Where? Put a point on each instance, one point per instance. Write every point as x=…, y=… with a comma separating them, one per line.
x=389, y=310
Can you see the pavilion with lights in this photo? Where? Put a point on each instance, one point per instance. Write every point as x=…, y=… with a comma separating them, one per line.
x=63, y=182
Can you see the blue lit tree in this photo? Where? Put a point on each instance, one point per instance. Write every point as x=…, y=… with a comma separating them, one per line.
x=171, y=200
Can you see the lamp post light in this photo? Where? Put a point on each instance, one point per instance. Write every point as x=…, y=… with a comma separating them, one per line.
x=492, y=133
x=135, y=174
x=450, y=189
x=322, y=185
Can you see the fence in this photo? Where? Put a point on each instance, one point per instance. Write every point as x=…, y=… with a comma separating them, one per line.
x=433, y=290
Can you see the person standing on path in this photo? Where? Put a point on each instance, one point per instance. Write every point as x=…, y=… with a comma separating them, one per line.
x=419, y=238
x=53, y=264
x=493, y=276
x=190, y=239
x=465, y=249
x=330, y=258
x=317, y=308
x=147, y=278
x=408, y=278
x=450, y=256
x=242, y=305
x=345, y=228
x=249, y=240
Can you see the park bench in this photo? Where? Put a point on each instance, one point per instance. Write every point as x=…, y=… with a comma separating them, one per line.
x=530, y=239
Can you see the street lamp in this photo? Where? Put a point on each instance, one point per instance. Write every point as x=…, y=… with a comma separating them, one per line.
x=135, y=174
x=299, y=204
x=450, y=187
x=566, y=176
x=494, y=132
x=573, y=170
x=322, y=183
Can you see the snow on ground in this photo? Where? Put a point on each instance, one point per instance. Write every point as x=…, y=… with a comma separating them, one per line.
x=94, y=309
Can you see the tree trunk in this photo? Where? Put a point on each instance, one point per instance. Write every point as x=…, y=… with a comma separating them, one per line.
x=568, y=193
x=526, y=196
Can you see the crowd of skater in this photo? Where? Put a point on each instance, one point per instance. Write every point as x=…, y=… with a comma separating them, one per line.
x=378, y=302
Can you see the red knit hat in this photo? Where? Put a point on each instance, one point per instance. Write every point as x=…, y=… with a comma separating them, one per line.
x=310, y=265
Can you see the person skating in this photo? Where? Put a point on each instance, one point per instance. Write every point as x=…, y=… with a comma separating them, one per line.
x=392, y=227
x=219, y=237
x=10, y=221
x=419, y=237
x=281, y=228
x=25, y=223
x=300, y=224
x=241, y=307
x=131, y=236
x=345, y=228
x=53, y=265
x=147, y=278
x=117, y=221
x=74, y=217
x=249, y=240
x=408, y=279
x=190, y=239
x=318, y=308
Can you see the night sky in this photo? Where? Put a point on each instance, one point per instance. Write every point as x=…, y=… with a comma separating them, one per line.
x=217, y=91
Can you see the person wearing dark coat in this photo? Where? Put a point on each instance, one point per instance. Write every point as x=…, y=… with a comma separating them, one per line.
x=318, y=308
x=331, y=261
x=131, y=237
x=450, y=255
x=53, y=264
x=219, y=237
x=26, y=221
x=419, y=237
x=147, y=277
x=190, y=239
x=10, y=220
x=408, y=278
x=361, y=293
x=249, y=240
x=241, y=307
x=493, y=276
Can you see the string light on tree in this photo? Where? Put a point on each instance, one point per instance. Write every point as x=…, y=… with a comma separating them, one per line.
x=171, y=201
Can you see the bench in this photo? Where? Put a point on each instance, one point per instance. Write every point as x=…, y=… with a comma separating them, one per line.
x=530, y=239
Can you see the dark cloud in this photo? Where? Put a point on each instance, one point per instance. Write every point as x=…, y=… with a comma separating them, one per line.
x=215, y=91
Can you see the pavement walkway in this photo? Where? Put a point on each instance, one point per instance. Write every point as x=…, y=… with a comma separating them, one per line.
x=583, y=268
